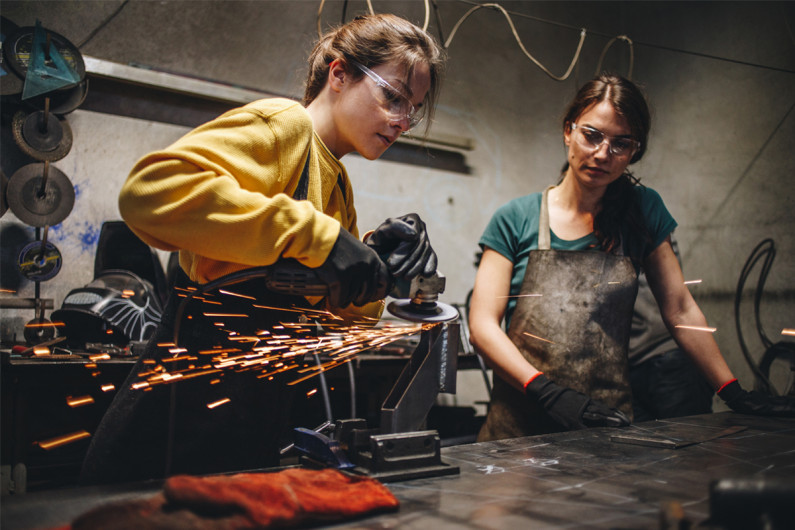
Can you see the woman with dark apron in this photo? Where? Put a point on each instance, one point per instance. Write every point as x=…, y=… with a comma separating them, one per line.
x=561, y=267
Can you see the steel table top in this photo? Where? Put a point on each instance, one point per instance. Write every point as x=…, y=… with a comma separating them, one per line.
x=577, y=479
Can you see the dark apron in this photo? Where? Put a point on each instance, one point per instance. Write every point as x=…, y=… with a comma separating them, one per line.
x=169, y=429
x=581, y=324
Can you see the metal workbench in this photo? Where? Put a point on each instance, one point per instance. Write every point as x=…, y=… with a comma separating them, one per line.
x=576, y=479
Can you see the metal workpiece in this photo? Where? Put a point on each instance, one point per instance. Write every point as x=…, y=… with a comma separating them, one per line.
x=431, y=369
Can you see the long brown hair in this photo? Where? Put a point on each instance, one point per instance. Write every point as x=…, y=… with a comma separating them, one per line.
x=619, y=206
x=372, y=40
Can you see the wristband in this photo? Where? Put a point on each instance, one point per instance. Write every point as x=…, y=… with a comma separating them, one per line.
x=724, y=385
x=532, y=379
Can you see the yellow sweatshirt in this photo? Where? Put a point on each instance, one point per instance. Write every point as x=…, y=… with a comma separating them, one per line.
x=222, y=194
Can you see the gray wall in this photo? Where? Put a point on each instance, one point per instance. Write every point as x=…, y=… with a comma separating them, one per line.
x=720, y=153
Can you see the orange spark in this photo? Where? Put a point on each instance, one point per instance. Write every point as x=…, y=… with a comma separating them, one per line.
x=311, y=392
x=539, y=338
x=786, y=331
x=108, y=387
x=99, y=357
x=79, y=401
x=697, y=328
x=63, y=440
x=230, y=293
x=218, y=403
x=692, y=282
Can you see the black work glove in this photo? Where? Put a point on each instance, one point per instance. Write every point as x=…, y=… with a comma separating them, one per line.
x=403, y=243
x=753, y=402
x=354, y=273
x=572, y=409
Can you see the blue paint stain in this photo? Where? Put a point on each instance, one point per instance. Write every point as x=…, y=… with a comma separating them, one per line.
x=78, y=191
x=89, y=237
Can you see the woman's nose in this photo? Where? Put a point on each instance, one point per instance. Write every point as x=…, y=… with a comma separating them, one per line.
x=401, y=123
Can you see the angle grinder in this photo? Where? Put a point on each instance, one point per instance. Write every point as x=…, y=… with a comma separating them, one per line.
x=416, y=298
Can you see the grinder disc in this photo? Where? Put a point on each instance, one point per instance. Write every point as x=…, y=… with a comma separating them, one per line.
x=35, y=206
x=48, y=141
x=39, y=261
x=424, y=312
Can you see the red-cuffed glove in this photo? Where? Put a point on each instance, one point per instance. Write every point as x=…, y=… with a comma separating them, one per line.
x=754, y=402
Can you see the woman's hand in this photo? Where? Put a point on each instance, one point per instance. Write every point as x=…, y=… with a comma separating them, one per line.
x=403, y=243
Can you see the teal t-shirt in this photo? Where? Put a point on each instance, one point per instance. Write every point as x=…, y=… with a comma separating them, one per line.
x=513, y=232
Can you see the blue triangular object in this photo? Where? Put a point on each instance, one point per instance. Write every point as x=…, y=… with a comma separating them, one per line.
x=42, y=77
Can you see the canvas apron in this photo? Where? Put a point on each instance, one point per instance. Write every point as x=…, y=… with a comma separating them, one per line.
x=576, y=332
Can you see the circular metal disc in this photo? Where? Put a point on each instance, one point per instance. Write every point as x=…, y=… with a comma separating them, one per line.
x=48, y=142
x=426, y=312
x=35, y=206
x=3, y=187
x=39, y=330
x=39, y=261
x=62, y=101
x=17, y=49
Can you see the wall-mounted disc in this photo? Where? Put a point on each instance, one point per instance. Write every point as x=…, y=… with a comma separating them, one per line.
x=36, y=206
x=18, y=51
x=62, y=101
x=40, y=135
x=39, y=261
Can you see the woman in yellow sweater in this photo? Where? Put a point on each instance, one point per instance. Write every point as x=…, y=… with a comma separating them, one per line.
x=258, y=184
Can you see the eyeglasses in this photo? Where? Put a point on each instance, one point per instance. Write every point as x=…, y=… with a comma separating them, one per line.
x=395, y=101
x=617, y=145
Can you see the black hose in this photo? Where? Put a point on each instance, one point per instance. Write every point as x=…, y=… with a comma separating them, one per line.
x=767, y=250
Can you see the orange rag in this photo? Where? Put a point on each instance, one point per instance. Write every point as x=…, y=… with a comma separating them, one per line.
x=290, y=497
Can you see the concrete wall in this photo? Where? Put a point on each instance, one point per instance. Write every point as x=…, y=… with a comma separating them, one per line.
x=720, y=77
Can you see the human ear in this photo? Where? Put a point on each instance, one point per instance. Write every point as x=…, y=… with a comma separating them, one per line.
x=337, y=75
x=567, y=134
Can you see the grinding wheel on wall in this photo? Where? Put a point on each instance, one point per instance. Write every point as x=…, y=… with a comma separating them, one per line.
x=42, y=135
x=40, y=195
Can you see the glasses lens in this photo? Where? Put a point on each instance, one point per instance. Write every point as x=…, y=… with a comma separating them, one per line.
x=621, y=146
x=593, y=137
x=617, y=146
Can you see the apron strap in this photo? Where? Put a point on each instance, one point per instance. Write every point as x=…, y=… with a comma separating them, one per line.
x=544, y=239
x=302, y=190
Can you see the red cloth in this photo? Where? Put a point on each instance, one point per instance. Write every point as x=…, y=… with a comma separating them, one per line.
x=248, y=500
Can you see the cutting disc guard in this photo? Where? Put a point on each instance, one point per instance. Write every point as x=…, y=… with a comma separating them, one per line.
x=39, y=261
x=424, y=312
x=48, y=141
x=35, y=206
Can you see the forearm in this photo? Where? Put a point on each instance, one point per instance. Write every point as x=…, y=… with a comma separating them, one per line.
x=502, y=356
x=700, y=345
